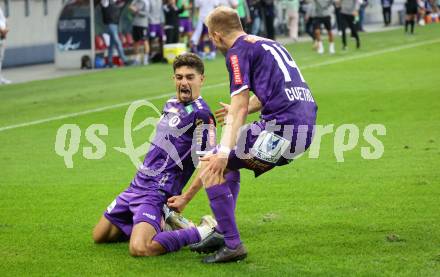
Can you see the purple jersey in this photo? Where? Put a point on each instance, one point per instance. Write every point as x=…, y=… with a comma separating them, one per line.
x=184, y=130
x=266, y=68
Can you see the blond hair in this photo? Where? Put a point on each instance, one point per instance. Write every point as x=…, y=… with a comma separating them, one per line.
x=223, y=20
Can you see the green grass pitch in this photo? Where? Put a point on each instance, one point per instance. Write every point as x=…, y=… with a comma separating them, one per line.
x=315, y=217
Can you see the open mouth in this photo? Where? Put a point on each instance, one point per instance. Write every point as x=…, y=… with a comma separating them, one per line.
x=186, y=92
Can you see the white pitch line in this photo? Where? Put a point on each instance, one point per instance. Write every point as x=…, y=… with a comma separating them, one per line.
x=375, y=53
x=105, y=108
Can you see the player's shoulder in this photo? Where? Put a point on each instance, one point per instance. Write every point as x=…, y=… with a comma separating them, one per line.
x=200, y=106
x=171, y=101
x=246, y=46
x=200, y=109
x=171, y=106
x=197, y=108
x=252, y=40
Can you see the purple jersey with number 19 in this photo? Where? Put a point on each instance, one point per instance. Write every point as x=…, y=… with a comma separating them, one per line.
x=266, y=68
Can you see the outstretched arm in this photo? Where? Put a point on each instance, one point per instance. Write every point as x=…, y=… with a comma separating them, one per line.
x=253, y=107
x=179, y=202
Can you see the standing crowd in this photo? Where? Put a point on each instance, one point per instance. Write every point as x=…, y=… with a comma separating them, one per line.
x=159, y=22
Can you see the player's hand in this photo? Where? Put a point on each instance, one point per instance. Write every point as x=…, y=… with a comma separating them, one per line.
x=221, y=113
x=213, y=172
x=177, y=203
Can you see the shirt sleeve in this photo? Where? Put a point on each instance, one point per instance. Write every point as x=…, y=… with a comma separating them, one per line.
x=239, y=71
x=204, y=133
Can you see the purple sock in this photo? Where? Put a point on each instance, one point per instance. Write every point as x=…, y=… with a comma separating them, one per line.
x=174, y=240
x=233, y=180
x=222, y=206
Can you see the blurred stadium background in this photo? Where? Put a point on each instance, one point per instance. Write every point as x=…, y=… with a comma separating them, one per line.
x=33, y=23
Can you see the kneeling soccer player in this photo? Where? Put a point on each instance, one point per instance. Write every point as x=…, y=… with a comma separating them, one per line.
x=185, y=126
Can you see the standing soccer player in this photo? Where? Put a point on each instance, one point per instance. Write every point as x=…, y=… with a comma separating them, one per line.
x=349, y=16
x=288, y=115
x=199, y=39
x=185, y=21
x=155, y=29
x=411, y=8
x=136, y=214
x=323, y=10
x=141, y=12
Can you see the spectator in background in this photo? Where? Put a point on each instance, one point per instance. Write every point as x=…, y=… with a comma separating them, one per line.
x=141, y=12
x=309, y=7
x=228, y=3
x=292, y=10
x=200, y=39
x=241, y=7
x=185, y=21
x=156, y=32
x=323, y=10
x=280, y=21
x=255, y=13
x=269, y=17
x=338, y=19
x=111, y=13
x=3, y=32
x=362, y=7
x=171, y=12
x=386, y=10
x=349, y=16
x=244, y=13
x=411, y=7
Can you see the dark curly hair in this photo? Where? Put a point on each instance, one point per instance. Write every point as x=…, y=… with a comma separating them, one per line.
x=191, y=60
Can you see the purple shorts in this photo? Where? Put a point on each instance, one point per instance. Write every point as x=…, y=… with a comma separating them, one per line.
x=185, y=25
x=155, y=31
x=260, y=147
x=132, y=207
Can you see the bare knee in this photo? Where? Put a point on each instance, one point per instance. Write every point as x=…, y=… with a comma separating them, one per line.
x=105, y=231
x=212, y=179
x=98, y=236
x=139, y=249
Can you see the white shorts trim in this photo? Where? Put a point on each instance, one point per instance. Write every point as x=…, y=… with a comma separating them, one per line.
x=239, y=90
